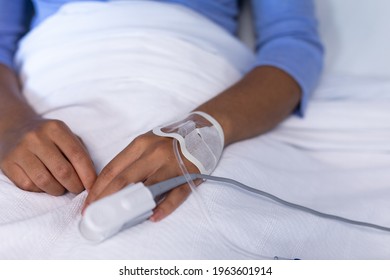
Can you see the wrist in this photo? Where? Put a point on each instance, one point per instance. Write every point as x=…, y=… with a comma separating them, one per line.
x=200, y=137
x=17, y=120
x=222, y=119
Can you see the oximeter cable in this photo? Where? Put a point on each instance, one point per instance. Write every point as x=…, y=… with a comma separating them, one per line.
x=134, y=204
x=163, y=187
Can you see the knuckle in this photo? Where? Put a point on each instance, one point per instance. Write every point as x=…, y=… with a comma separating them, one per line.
x=141, y=141
x=162, y=153
x=76, y=154
x=108, y=172
x=43, y=179
x=63, y=171
x=32, y=137
x=54, y=125
x=27, y=185
x=160, y=150
x=120, y=182
x=164, y=148
x=169, y=206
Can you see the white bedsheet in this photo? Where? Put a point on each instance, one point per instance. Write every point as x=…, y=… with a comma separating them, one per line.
x=112, y=85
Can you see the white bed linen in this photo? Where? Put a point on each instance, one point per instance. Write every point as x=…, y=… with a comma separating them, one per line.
x=110, y=86
x=355, y=34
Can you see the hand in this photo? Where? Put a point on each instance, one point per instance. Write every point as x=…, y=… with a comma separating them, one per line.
x=45, y=156
x=148, y=159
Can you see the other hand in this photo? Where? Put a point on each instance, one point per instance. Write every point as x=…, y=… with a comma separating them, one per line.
x=45, y=156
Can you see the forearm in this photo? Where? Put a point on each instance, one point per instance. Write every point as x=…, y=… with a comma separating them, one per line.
x=14, y=108
x=254, y=105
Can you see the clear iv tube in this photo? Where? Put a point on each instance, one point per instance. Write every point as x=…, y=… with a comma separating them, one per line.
x=206, y=214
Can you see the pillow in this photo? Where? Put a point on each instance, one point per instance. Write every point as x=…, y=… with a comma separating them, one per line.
x=356, y=36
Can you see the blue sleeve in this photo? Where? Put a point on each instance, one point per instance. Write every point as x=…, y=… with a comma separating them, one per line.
x=287, y=38
x=14, y=19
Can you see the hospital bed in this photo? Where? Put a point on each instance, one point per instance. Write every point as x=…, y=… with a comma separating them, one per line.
x=336, y=160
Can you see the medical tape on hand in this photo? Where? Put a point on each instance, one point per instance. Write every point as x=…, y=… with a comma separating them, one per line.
x=200, y=137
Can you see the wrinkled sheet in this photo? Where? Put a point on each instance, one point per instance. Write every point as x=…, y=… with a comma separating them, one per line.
x=111, y=86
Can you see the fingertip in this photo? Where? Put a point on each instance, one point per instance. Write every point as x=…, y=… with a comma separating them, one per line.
x=87, y=202
x=157, y=216
x=84, y=208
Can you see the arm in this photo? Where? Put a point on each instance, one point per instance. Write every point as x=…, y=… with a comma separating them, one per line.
x=36, y=154
x=278, y=84
x=287, y=38
x=287, y=68
x=254, y=105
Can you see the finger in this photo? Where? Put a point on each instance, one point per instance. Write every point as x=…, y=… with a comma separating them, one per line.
x=59, y=167
x=172, y=201
x=161, y=174
x=16, y=174
x=39, y=175
x=137, y=172
x=117, y=165
x=124, y=160
x=77, y=155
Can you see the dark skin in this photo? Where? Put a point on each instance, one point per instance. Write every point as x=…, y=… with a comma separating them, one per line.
x=256, y=104
x=38, y=154
x=253, y=106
